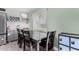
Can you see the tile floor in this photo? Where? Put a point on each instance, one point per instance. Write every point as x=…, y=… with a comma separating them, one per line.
x=12, y=46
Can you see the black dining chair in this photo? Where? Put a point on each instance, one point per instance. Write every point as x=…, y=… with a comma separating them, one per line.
x=34, y=43
x=47, y=43
x=20, y=37
x=26, y=40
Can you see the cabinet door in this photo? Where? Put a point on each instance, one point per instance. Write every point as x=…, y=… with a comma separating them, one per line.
x=75, y=43
x=64, y=40
x=12, y=35
x=63, y=48
x=15, y=36
x=2, y=39
x=74, y=49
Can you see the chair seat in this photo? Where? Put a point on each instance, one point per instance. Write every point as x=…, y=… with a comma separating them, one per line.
x=43, y=42
x=33, y=42
x=50, y=43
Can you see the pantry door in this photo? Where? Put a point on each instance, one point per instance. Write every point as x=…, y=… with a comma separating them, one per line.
x=39, y=22
x=35, y=19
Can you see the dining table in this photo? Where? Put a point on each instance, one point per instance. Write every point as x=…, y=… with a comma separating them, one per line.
x=36, y=35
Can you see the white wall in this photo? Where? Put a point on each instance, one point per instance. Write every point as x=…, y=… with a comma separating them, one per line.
x=63, y=20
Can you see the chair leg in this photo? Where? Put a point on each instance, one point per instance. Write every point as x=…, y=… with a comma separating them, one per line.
x=24, y=45
x=30, y=47
x=20, y=43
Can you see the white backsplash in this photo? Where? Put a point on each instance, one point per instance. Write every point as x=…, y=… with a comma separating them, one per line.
x=13, y=25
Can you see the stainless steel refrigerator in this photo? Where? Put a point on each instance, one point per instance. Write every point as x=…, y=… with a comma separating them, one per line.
x=2, y=28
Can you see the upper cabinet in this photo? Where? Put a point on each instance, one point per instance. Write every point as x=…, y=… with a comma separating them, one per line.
x=12, y=18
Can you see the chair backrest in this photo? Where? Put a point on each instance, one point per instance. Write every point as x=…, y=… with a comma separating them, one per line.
x=26, y=34
x=52, y=36
x=50, y=40
x=19, y=31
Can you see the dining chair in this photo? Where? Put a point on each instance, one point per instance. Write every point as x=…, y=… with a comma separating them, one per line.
x=20, y=37
x=18, y=31
x=33, y=41
x=26, y=40
x=47, y=43
x=34, y=44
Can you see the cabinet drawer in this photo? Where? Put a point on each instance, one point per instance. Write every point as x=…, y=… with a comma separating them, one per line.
x=63, y=48
x=64, y=40
x=75, y=43
x=2, y=39
x=74, y=49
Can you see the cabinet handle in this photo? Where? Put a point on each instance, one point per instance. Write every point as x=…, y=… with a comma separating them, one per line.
x=60, y=39
x=73, y=42
x=60, y=48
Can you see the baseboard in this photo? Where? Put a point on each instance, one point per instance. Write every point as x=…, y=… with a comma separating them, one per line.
x=12, y=41
x=55, y=49
x=8, y=42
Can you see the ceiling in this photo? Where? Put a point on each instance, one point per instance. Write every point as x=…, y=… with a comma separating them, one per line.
x=27, y=10
x=17, y=11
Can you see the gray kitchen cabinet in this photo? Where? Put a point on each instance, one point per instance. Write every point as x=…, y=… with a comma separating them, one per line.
x=12, y=35
x=2, y=39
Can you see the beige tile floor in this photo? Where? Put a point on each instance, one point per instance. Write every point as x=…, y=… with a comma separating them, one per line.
x=12, y=46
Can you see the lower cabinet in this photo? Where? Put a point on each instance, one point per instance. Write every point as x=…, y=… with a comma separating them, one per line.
x=74, y=49
x=63, y=48
x=2, y=39
x=68, y=42
x=75, y=43
x=12, y=35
